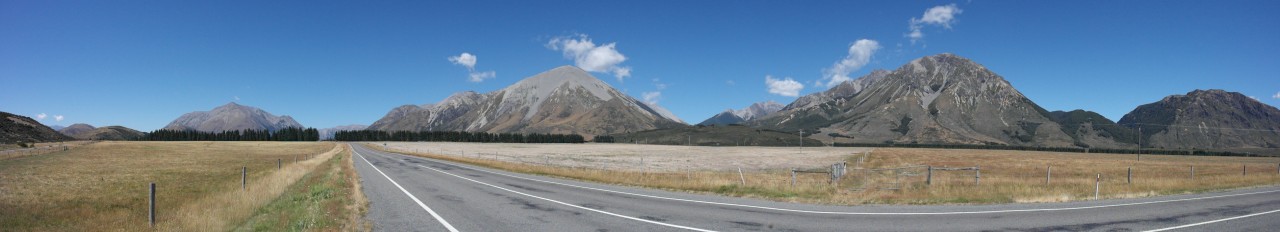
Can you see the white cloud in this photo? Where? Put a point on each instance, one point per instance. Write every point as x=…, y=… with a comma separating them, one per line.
x=1277, y=96
x=730, y=82
x=586, y=55
x=57, y=118
x=658, y=84
x=468, y=60
x=859, y=55
x=784, y=87
x=943, y=16
x=465, y=59
x=481, y=76
x=237, y=98
x=652, y=98
x=41, y=116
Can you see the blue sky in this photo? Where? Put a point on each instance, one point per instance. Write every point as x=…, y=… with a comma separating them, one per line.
x=143, y=63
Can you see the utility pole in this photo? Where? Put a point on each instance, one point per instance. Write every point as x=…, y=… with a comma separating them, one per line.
x=801, y=147
x=1139, y=143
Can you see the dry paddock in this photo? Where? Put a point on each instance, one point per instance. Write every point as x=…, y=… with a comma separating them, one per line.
x=632, y=157
x=875, y=175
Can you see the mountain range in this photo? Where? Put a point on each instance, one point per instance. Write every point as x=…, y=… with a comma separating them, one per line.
x=83, y=131
x=939, y=99
x=948, y=99
x=563, y=100
x=731, y=116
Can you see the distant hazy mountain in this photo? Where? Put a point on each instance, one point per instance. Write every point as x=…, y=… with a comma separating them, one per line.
x=231, y=116
x=940, y=99
x=76, y=129
x=1206, y=119
x=731, y=116
x=17, y=128
x=327, y=133
x=1090, y=129
x=563, y=100
x=57, y=127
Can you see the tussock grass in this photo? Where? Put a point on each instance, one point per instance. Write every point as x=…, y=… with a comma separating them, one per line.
x=103, y=186
x=1007, y=177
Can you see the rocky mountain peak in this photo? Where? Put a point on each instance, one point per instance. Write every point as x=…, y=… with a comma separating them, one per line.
x=1206, y=119
x=565, y=99
x=231, y=117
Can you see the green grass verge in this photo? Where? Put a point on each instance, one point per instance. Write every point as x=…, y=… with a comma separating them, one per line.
x=322, y=201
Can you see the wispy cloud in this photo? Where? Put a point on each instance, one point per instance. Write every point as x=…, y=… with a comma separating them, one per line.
x=860, y=53
x=57, y=118
x=943, y=16
x=586, y=55
x=468, y=60
x=41, y=116
x=652, y=98
x=1277, y=96
x=784, y=87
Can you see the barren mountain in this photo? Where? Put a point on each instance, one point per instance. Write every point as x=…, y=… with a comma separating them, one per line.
x=563, y=100
x=231, y=116
x=731, y=116
x=18, y=128
x=106, y=133
x=940, y=99
x=75, y=129
x=1206, y=119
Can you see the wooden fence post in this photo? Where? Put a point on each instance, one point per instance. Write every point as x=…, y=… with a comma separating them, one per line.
x=1193, y=172
x=928, y=180
x=977, y=175
x=279, y=164
x=1130, y=181
x=1244, y=170
x=244, y=177
x=151, y=212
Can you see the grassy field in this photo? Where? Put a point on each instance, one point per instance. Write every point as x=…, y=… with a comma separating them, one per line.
x=1006, y=177
x=103, y=186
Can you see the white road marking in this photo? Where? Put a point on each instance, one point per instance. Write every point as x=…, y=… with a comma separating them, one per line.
x=871, y=213
x=406, y=192
x=1214, y=221
x=570, y=205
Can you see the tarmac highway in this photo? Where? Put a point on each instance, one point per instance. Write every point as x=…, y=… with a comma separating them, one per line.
x=409, y=193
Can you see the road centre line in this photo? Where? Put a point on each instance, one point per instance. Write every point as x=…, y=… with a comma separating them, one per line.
x=406, y=192
x=871, y=213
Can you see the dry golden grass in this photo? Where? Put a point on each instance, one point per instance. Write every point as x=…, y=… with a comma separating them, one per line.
x=10, y=151
x=103, y=186
x=1007, y=177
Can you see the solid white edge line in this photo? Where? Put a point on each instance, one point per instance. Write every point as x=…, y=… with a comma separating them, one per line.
x=869, y=213
x=1214, y=221
x=406, y=192
x=567, y=204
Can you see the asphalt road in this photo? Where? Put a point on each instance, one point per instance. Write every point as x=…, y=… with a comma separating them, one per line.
x=409, y=193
